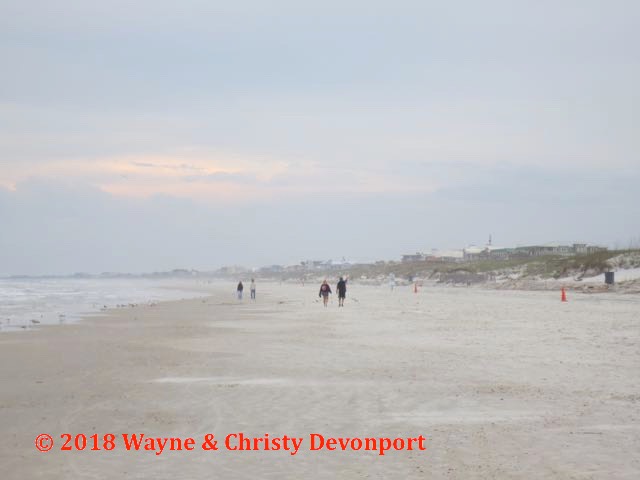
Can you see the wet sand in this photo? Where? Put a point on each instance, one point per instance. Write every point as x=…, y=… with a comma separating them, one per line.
x=502, y=385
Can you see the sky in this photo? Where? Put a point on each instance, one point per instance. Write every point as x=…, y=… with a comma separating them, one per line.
x=151, y=135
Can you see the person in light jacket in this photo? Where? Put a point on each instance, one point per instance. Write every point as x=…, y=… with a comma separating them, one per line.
x=253, y=289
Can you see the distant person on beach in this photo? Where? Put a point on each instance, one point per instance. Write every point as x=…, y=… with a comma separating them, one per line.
x=325, y=290
x=342, y=291
x=253, y=289
x=240, y=289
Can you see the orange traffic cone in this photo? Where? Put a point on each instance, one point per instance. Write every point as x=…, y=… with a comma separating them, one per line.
x=564, y=295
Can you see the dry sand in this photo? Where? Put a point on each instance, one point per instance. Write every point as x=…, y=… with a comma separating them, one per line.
x=502, y=384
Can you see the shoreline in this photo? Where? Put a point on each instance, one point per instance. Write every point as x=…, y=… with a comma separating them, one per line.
x=199, y=292
x=30, y=304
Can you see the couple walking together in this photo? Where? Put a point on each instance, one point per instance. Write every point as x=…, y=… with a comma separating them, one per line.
x=341, y=288
x=240, y=289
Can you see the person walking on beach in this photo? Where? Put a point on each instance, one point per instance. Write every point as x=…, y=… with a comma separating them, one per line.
x=325, y=290
x=342, y=291
x=239, y=290
x=253, y=289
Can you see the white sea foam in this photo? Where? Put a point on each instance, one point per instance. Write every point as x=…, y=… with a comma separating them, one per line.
x=27, y=303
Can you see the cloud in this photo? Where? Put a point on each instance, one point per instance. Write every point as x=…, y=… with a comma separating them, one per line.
x=62, y=227
x=182, y=167
x=238, y=178
x=380, y=127
x=144, y=164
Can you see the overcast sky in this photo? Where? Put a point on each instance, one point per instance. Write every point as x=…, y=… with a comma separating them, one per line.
x=150, y=135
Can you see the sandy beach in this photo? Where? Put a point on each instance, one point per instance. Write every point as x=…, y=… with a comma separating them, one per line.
x=503, y=384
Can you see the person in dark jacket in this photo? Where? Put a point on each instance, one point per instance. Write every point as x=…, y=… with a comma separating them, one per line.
x=325, y=290
x=342, y=291
x=240, y=289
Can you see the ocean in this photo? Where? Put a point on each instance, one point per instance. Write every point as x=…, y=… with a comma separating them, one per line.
x=27, y=303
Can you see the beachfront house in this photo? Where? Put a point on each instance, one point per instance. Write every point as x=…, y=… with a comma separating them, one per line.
x=491, y=252
x=473, y=252
x=417, y=257
x=445, y=256
x=557, y=249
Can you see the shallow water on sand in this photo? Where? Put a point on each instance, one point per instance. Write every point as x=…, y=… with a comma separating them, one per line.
x=27, y=303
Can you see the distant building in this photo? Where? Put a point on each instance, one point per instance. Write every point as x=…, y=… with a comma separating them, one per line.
x=271, y=269
x=501, y=253
x=232, y=270
x=584, y=248
x=445, y=255
x=580, y=248
x=313, y=264
x=558, y=249
x=417, y=257
x=491, y=252
x=343, y=262
x=474, y=252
